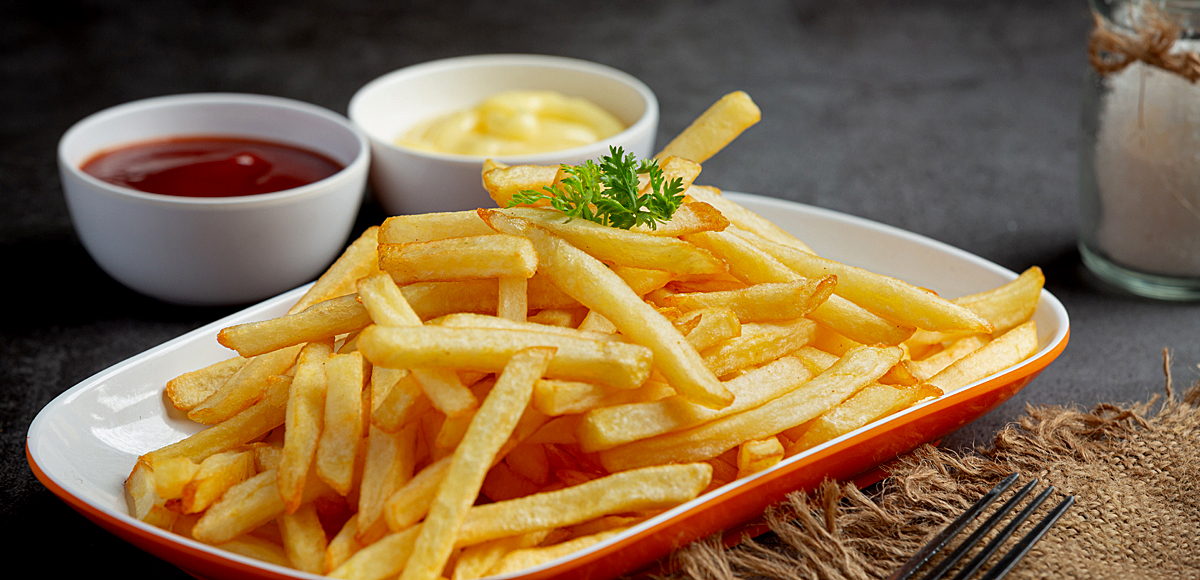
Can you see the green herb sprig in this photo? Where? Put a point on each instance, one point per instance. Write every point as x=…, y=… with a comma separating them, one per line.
x=607, y=192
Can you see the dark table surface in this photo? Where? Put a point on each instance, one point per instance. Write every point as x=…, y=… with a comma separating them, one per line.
x=956, y=120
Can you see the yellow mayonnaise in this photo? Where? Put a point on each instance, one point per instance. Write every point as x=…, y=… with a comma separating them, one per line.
x=515, y=123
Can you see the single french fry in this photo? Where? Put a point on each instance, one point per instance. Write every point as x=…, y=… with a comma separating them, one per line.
x=390, y=463
x=304, y=421
x=608, y=427
x=867, y=405
x=523, y=558
x=619, y=364
x=709, y=327
x=259, y=549
x=428, y=227
x=341, y=434
x=245, y=387
x=689, y=218
x=619, y=246
x=752, y=265
x=170, y=475
x=475, y=561
x=936, y=362
x=502, y=183
x=216, y=474
x=657, y=487
x=513, y=301
x=326, y=319
x=893, y=299
x=256, y=421
x=769, y=302
x=1002, y=352
x=757, y=343
x=715, y=128
x=462, y=258
x=383, y=559
x=1005, y=306
x=248, y=505
x=755, y=456
x=492, y=425
x=470, y=320
x=852, y=372
x=304, y=539
x=595, y=286
x=143, y=500
x=191, y=388
x=555, y=397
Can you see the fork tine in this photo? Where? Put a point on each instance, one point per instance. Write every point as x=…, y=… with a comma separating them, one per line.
x=991, y=547
x=984, y=528
x=1017, y=552
x=939, y=541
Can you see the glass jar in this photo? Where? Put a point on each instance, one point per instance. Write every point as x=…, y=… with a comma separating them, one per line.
x=1139, y=161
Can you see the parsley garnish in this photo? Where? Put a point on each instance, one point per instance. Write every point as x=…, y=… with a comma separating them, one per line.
x=607, y=193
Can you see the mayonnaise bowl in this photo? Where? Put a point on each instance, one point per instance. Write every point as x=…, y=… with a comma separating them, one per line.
x=215, y=250
x=408, y=180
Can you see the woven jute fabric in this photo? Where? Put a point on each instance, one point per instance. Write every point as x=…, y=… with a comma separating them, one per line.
x=1134, y=471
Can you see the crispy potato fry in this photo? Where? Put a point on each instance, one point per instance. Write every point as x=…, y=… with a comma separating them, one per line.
x=895, y=300
x=429, y=227
x=143, y=500
x=1005, y=306
x=608, y=427
x=404, y=404
x=390, y=463
x=852, y=372
x=303, y=421
x=248, y=505
x=689, y=218
x=216, y=474
x=555, y=397
x=523, y=558
x=475, y=561
x=615, y=245
x=755, y=456
x=385, y=558
x=869, y=404
x=757, y=343
x=327, y=319
x=598, y=288
x=502, y=183
x=191, y=388
x=489, y=429
x=407, y=505
x=304, y=539
x=742, y=218
x=753, y=265
x=618, y=364
x=259, y=549
x=657, y=487
x=934, y=363
x=342, y=431
x=245, y=387
x=1002, y=352
x=240, y=429
x=718, y=126
x=768, y=302
x=171, y=474
x=460, y=258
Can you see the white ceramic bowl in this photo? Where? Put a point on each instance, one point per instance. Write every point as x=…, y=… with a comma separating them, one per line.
x=407, y=181
x=220, y=250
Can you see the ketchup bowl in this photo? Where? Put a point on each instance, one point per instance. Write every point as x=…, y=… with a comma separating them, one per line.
x=215, y=235
x=409, y=180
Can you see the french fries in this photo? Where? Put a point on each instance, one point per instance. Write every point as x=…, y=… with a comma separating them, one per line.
x=474, y=393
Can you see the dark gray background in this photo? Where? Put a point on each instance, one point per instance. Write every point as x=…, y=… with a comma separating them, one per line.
x=956, y=120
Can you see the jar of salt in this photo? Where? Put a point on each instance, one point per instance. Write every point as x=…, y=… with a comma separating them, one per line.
x=1140, y=148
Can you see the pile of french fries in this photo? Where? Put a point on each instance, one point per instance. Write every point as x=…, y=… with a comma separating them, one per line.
x=473, y=393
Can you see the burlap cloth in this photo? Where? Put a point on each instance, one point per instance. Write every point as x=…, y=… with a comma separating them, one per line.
x=1134, y=471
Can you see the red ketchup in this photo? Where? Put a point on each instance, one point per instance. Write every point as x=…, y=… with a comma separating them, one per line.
x=210, y=166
